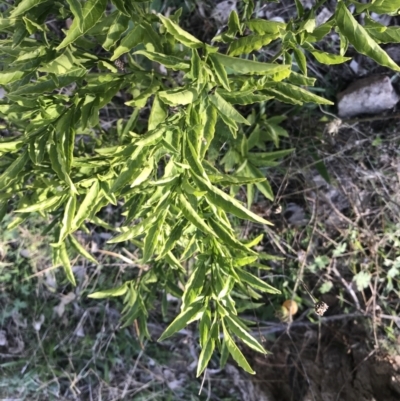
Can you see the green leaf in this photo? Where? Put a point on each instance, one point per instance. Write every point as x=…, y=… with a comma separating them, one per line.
x=179, y=34
x=76, y=9
x=263, y=26
x=255, y=282
x=242, y=66
x=158, y=114
x=24, y=6
x=64, y=259
x=222, y=200
x=7, y=77
x=66, y=223
x=40, y=206
x=193, y=217
x=360, y=38
x=227, y=109
x=10, y=146
x=227, y=237
x=12, y=171
x=220, y=72
x=131, y=40
x=178, y=97
x=92, y=12
x=87, y=205
x=80, y=249
x=58, y=164
x=194, y=284
x=235, y=352
x=293, y=94
x=300, y=59
x=329, y=59
x=175, y=235
x=210, y=122
x=183, y=319
x=152, y=237
x=243, y=97
x=175, y=63
x=362, y=279
x=234, y=23
x=116, y=30
x=205, y=356
x=264, y=187
x=137, y=230
x=384, y=6
x=264, y=158
x=250, y=43
x=112, y=292
x=238, y=330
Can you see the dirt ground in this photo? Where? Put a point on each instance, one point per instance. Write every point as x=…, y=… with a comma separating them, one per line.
x=330, y=364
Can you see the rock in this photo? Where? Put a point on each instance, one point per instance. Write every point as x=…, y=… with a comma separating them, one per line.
x=223, y=10
x=367, y=96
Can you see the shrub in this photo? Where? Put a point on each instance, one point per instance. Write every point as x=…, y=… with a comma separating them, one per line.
x=160, y=169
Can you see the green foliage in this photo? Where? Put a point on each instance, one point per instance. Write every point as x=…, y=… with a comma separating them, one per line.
x=165, y=172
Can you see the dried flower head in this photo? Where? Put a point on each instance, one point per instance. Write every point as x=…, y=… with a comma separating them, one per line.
x=120, y=65
x=320, y=308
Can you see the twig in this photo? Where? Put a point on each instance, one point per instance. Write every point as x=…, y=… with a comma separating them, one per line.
x=346, y=285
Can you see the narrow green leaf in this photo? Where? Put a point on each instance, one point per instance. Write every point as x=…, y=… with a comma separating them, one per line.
x=329, y=59
x=238, y=330
x=205, y=356
x=228, y=237
x=64, y=259
x=87, y=206
x=220, y=72
x=151, y=239
x=112, y=292
x=175, y=63
x=178, y=97
x=80, y=249
x=294, y=94
x=10, y=146
x=24, y=6
x=248, y=44
x=242, y=66
x=131, y=40
x=116, y=30
x=385, y=6
x=193, y=217
x=235, y=352
x=66, y=223
x=263, y=26
x=264, y=187
x=12, y=171
x=300, y=59
x=158, y=114
x=243, y=97
x=256, y=282
x=220, y=199
x=58, y=164
x=7, y=77
x=76, y=10
x=175, y=235
x=360, y=38
x=204, y=329
x=40, y=206
x=227, y=109
x=184, y=318
x=194, y=284
x=92, y=12
x=179, y=34
x=209, y=122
